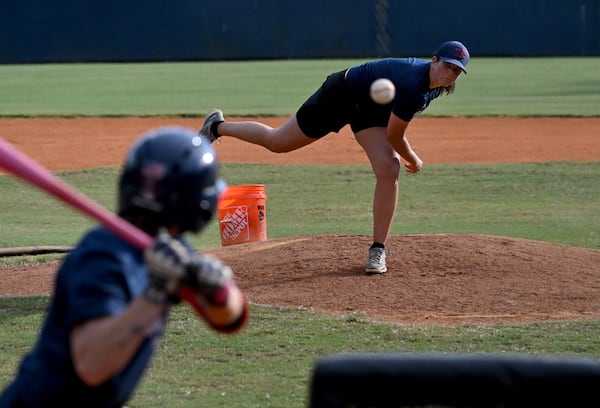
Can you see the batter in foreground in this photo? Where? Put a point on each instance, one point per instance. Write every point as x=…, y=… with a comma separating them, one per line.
x=344, y=99
x=111, y=301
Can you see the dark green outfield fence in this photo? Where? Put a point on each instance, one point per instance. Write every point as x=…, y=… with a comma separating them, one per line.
x=194, y=30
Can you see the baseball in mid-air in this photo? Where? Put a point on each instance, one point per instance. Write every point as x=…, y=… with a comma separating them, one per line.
x=382, y=91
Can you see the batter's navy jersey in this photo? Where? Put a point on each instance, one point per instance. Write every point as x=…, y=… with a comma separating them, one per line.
x=410, y=77
x=100, y=277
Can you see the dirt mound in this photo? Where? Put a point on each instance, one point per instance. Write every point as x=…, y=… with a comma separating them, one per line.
x=432, y=279
x=449, y=279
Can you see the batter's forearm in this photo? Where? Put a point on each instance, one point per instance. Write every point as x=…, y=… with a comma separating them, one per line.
x=102, y=347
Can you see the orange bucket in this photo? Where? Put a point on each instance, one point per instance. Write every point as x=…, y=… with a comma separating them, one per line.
x=242, y=214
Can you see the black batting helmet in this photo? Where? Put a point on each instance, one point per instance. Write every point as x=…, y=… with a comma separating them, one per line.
x=170, y=179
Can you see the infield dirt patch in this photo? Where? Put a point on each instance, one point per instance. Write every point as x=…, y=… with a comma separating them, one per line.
x=432, y=279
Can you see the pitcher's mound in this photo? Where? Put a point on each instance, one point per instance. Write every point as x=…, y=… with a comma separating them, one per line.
x=431, y=279
x=447, y=279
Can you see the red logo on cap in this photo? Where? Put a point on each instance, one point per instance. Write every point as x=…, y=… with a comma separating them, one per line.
x=459, y=53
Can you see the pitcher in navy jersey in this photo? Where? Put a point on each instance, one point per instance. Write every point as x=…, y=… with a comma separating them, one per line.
x=380, y=129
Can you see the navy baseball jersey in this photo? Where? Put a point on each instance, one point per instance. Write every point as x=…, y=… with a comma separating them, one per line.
x=410, y=77
x=100, y=277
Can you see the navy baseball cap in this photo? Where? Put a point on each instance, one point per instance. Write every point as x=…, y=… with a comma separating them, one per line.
x=455, y=53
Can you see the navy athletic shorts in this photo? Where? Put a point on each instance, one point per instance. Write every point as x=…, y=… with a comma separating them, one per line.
x=332, y=107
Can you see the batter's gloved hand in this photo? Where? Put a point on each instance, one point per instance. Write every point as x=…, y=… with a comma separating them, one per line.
x=208, y=275
x=167, y=260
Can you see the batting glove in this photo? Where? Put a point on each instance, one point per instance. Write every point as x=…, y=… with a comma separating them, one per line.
x=208, y=275
x=168, y=261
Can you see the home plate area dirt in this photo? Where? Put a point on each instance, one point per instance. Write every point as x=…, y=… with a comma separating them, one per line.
x=432, y=279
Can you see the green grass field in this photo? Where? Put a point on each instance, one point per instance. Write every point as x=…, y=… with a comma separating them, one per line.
x=493, y=87
x=544, y=201
x=269, y=364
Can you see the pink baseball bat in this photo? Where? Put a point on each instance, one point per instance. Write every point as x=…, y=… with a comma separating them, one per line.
x=24, y=167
